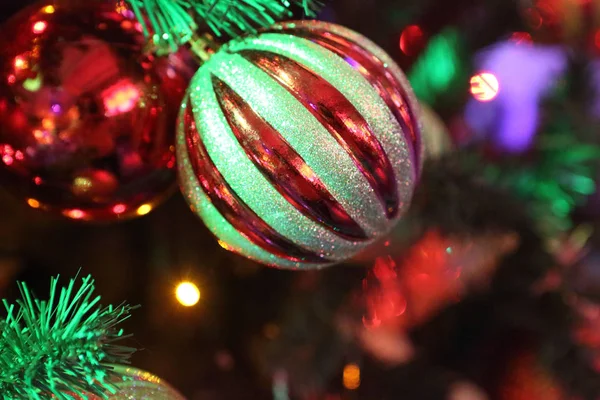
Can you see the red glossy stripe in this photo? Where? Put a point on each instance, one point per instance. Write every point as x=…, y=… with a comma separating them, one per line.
x=339, y=116
x=233, y=209
x=283, y=166
x=372, y=69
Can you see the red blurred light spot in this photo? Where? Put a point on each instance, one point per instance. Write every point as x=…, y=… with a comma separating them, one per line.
x=521, y=38
x=120, y=98
x=597, y=39
x=412, y=40
x=39, y=27
x=11, y=79
x=19, y=155
x=7, y=159
x=119, y=208
x=37, y=180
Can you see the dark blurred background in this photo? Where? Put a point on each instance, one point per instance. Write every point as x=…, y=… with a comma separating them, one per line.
x=251, y=319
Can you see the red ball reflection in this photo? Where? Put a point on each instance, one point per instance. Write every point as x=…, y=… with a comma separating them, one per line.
x=87, y=120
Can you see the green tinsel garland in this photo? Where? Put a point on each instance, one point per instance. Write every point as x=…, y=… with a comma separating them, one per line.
x=171, y=23
x=62, y=347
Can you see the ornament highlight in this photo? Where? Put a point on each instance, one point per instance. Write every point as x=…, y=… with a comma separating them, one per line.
x=87, y=119
x=299, y=146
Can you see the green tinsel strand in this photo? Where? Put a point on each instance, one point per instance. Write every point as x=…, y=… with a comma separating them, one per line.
x=62, y=347
x=171, y=23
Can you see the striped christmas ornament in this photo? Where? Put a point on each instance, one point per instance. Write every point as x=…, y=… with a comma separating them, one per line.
x=299, y=146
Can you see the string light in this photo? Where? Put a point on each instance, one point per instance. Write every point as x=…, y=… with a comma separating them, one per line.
x=33, y=203
x=187, y=294
x=74, y=214
x=39, y=27
x=119, y=208
x=144, y=209
x=484, y=86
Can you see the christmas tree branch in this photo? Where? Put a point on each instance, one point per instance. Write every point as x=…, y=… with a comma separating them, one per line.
x=171, y=23
x=61, y=347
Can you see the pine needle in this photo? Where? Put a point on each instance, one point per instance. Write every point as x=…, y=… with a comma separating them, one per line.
x=170, y=23
x=60, y=348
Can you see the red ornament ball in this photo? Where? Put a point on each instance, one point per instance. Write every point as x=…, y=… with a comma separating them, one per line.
x=299, y=146
x=86, y=117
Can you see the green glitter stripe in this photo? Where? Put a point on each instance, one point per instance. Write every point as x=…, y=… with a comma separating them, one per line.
x=321, y=152
x=358, y=91
x=391, y=65
x=217, y=224
x=245, y=178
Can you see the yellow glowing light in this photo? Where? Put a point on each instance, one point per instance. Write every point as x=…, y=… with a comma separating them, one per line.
x=351, y=376
x=20, y=62
x=484, y=86
x=33, y=203
x=144, y=209
x=48, y=124
x=49, y=9
x=187, y=294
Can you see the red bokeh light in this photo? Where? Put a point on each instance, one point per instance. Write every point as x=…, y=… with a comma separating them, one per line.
x=412, y=40
x=7, y=159
x=521, y=38
x=597, y=39
x=120, y=98
x=119, y=208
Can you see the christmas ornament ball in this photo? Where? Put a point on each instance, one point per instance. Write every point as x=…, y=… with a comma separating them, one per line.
x=87, y=120
x=299, y=146
x=139, y=385
x=436, y=137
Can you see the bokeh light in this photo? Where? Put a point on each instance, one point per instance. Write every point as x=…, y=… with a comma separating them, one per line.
x=74, y=214
x=187, y=294
x=412, y=40
x=351, y=376
x=39, y=27
x=119, y=208
x=144, y=209
x=484, y=86
x=33, y=203
x=20, y=63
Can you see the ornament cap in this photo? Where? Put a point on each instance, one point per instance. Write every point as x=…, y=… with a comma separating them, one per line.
x=203, y=47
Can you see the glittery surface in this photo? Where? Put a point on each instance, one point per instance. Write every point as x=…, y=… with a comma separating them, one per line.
x=318, y=148
x=230, y=238
x=141, y=385
x=379, y=53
